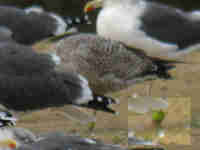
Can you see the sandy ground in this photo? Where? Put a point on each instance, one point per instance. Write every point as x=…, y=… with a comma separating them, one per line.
x=113, y=129
x=184, y=86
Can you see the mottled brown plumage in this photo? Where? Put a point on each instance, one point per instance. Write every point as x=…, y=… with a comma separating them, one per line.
x=109, y=65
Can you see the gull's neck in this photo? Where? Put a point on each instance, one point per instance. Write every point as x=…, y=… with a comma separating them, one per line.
x=5, y=133
x=110, y=3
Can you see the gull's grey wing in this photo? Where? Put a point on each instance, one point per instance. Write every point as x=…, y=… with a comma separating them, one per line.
x=5, y=34
x=22, y=60
x=29, y=27
x=170, y=25
x=29, y=80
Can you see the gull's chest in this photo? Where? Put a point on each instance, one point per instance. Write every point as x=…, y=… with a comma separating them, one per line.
x=118, y=20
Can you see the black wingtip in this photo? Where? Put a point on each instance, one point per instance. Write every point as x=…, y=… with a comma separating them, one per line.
x=163, y=66
x=102, y=103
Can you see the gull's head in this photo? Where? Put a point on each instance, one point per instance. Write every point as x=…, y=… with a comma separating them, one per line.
x=8, y=144
x=7, y=141
x=92, y=5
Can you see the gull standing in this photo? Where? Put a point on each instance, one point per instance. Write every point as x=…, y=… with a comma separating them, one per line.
x=158, y=29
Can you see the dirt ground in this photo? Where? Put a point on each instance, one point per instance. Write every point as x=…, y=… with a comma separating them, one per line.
x=184, y=86
x=114, y=129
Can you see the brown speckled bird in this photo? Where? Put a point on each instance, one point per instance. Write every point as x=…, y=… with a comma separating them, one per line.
x=109, y=65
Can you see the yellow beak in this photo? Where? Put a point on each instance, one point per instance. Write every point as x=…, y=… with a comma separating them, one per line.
x=92, y=5
x=9, y=143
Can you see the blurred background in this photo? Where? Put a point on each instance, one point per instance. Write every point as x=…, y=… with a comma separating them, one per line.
x=75, y=7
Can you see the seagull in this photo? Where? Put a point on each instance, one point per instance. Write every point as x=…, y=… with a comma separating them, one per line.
x=54, y=141
x=156, y=28
x=32, y=24
x=12, y=138
x=70, y=142
x=6, y=140
x=31, y=81
x=109, y=65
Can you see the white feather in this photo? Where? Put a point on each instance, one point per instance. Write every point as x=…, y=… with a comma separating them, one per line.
x=55, y=58
x=6, y=134
x=121, y=22
x=86, y=94
x=90, y=141
x=36, y=9
x=195, y=15
x=61, y=25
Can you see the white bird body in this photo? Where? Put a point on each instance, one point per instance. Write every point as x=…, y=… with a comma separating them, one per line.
x=5, y=134
x=158, y=29
x=121, y=23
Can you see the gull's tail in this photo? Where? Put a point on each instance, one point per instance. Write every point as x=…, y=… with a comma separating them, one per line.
x=162, y=66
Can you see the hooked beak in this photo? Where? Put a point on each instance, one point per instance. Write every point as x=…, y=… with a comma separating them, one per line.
x=92, y=5
x=8, y=143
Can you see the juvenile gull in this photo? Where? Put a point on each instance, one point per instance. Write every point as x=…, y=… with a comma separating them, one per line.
x=109, y=65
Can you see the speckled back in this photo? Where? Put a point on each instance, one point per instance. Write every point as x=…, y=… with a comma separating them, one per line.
x=103, y=60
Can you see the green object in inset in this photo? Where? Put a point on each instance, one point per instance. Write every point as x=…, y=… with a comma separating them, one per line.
x=158, y=116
